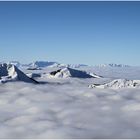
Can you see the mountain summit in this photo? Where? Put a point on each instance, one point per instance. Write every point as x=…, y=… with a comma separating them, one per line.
x=69, y=72
x=9, y=72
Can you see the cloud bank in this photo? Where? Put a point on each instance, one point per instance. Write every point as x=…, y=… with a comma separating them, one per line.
x=68, y=110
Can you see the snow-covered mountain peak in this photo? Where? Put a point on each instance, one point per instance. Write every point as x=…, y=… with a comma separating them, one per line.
x=117, y=84
x=69, y=72
x=9, y=72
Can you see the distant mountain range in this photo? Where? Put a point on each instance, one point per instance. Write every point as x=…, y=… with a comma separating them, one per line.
x=42, y=64
x=113, y=65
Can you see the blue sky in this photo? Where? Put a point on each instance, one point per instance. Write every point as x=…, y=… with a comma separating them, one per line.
x=70, y=32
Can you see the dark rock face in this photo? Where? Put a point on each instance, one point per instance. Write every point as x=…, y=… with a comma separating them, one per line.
x=55, y=72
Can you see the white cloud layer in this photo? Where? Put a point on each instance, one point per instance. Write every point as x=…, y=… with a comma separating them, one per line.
x=68, y=110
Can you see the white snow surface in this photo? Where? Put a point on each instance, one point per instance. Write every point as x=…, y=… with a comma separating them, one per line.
x=69, y=72
x=9, y=72
x=118, y=83
x=68, y=108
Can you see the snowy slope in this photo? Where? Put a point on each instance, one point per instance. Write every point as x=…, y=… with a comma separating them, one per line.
x=69, y=72
x=118, y=83
x=9, y=72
